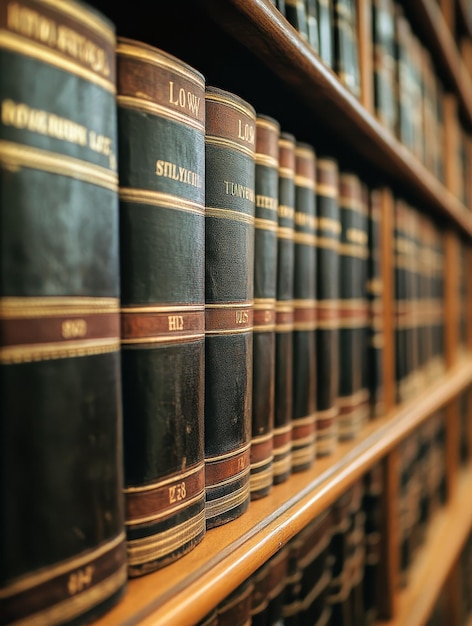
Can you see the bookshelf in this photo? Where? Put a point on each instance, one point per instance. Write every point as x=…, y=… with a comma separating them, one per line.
x=247, y=46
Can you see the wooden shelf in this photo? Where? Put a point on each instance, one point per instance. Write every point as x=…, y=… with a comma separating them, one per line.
x=186, y=590
x=258, y=26
x=444, y=540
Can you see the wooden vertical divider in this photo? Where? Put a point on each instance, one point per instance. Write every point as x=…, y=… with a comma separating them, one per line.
x=452, y=588
x=448, y=12
x=366, y=61
x=389, y=571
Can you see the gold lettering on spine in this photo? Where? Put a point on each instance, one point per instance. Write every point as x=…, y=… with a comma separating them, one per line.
x=166, y=169
x=80, y=580
x=246, y=132
x=73, y=328
x=239, y=191
x=31, y=24
x=184, y=99
x=242, y=317
x=176, y=322
x=177, y=493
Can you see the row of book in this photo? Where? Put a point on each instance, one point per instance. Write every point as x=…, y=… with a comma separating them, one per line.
x=190, y=309
x=327, y=574
x=409, y=94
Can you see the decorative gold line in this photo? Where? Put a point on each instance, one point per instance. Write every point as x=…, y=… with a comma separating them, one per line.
x=331, y=191
x=228, y=455
x=248, y=304
x=226, y=503
x=141, y=104
x=25, y=307
x=19, y=45
x=286, y=172
x=129, y=50
x=263, y=224
x=229, y=214
x=15, y=156
x=282, y=430
x=162, y=483
x=79, y=13
x=160, y=199
x=170, y=338
x=305, y=181
x=236, y=105
x=66, y=349
x=33, y=580
x=169, y=308
x=306, y=239
x=230, y=331
x=222, y=142
x=264, y=303
x=266, y=160
x=285, y=232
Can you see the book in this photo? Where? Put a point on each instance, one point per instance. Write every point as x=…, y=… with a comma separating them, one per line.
x=327, y=304
x=345, y=55
x=62, y=540
x=326, y=36
x=353, y=252
x=161, y=125
x=304, y=306
x=230, y=141
x=313, y=36
x=374, y=294
x=235, y=609
x=384, y=69
x=295, y=12
x=372, y=508
x=341, y=559
x=282, y=441
x=265, y=285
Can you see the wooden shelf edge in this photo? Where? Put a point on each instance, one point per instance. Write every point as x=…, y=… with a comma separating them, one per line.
x=445, y=537
x=186, y=590
x=269, y=36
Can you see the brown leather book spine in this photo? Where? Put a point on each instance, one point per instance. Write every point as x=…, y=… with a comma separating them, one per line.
x=304, y=304
x=284, y=311
x=230, y=143
x=62, y=540
x=161, y=107
x=265, y=285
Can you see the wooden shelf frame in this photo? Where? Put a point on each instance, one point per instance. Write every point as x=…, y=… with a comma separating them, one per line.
x=258, y=25
x=185, y=591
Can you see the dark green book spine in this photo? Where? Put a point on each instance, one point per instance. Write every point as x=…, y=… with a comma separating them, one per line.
x=284, y=311
x=326, y=36
x=383, y=42
x=161, y=117
x=229, y=299
x=353, y=310
x=372, y=508
x=62, y=543
x=345, y=62
x=374, y=290
x=327, y=304
x=265, y=285
x=304, y=303
x=400, y=302
x=311, y=7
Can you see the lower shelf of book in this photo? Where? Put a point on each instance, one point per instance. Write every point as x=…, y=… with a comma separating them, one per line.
x=185, y=591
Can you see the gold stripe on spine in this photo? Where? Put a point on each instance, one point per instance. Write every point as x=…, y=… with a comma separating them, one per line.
x=264, y=315
x=166, y=542
x=305, y=181
x=306, y=239
x=15, y=156
x=157, y=198
x=164, y=498
x=229, y=214
x=265, y=159
x=323, y=189
x=19, y=45
x=45, y=576
x=220, y=506
x=263, y=224
x=284, y=232
x=140, y=104
x=229, y=317
x=154, y=324
x=43, y=328
x=227, y=143
x=261, y=480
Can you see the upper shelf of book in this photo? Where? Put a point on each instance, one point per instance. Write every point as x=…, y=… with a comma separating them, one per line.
x=259, y=27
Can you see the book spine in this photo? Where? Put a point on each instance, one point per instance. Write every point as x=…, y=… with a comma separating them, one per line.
x=383, y=39
x=340, y=583
x=284, y=311
x=162, y=218
x=327, y=303
x=371, y=505
x=375, y=303
x=311, y=8
x=295, y=12
x=235, y=609
x=400, y=303
x=353, y=314
x=345, y=62
x=265, y=285
x=229, y=302
x=325, y=24
x=304, y=299
x=62, y=541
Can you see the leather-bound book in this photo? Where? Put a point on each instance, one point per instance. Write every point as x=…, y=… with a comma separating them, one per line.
x=235, y=609
x=383, y=48
x=353, y=305
x=325, y=26
x=341, y=560
x=372, y=508
x=304, y=304
x=327, y=303
x=312, y=24
x=374, y=294
x=229, y=291
x=161, y=115
x=62, y=546
x=284, y=311
x=265, y=284
x=346, y=58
